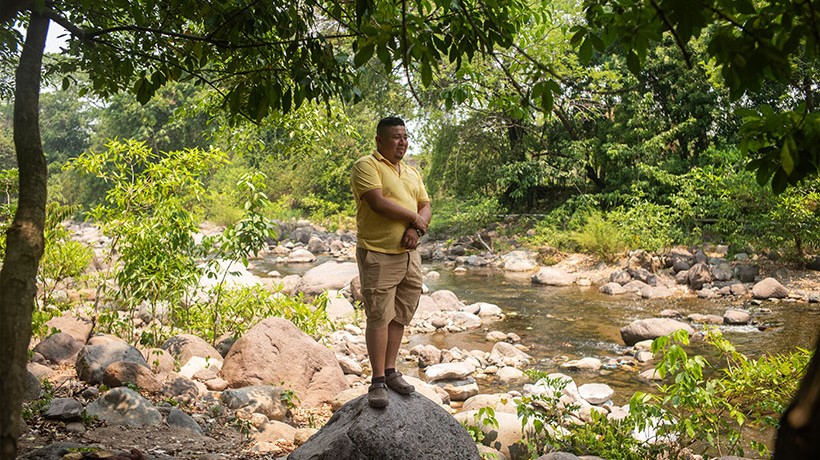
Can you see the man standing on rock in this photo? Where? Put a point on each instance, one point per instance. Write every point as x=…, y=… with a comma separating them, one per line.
x=392, y=213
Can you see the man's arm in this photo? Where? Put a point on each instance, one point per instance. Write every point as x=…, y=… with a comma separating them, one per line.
x=387, y=208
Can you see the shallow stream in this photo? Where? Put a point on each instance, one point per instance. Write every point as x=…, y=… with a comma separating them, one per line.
x=562, y=323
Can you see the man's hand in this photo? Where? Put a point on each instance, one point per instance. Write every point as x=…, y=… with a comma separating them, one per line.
x=410, y=240
x=420, y=223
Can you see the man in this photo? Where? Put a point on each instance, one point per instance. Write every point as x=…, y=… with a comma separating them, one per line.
x=392, y=213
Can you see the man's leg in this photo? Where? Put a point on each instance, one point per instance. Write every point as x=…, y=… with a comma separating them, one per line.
x=395, y=332
x=377, y=340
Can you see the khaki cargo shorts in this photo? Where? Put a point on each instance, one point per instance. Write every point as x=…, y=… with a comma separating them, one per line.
x=391, y=285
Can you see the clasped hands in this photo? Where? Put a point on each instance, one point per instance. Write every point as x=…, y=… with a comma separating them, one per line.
x=414, y=232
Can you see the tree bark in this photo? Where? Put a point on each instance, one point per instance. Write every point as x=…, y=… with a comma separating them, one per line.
x=798, y=437
x=24, y=238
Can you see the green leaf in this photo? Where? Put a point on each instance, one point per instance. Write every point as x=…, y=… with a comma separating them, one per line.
x=786, y=158
x=364, y=54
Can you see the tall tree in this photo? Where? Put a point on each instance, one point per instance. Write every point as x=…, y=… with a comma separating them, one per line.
x=260, y=56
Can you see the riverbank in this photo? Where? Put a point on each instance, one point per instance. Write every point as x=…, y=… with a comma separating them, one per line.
x=225, y=432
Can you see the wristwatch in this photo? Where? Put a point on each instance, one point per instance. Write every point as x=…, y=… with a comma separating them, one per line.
x=419, y=232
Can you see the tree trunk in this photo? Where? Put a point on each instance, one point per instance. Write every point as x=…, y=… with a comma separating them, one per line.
x=798, y=437
x=24, y=238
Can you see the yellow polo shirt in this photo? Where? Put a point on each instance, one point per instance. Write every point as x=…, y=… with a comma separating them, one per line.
x=405, y=188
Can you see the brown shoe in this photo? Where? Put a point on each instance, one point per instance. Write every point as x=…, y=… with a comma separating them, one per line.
x=396, y=383
x=377, y=395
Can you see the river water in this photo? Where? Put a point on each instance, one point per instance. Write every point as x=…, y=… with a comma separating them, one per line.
x=562, y=323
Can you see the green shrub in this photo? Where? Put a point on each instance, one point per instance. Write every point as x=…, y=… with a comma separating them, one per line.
x=704, y=410
x=601, y=237
x=453, y=218
x=646, y=225
x=241, y=308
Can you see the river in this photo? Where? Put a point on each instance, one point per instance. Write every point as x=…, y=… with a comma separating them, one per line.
x=562, y=323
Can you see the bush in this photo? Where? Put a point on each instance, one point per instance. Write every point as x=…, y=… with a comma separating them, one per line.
x=646, y=225
x=601, y=237
x=456, y=218
x=706, y=410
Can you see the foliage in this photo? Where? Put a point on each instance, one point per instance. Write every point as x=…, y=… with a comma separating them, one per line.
x=240, y=308
x=601, y=237
x=646, y=225
x=63, y=258
x=463, y=218
x=796, y=215
x=749, y=43
x=712, y=411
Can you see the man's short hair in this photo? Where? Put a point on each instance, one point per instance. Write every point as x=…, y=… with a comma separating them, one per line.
x=388, y=122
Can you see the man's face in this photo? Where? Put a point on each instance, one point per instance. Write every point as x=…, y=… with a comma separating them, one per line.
x=392, y=143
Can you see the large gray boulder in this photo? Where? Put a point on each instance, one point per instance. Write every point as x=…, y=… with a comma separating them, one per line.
x=330, y=275
x=59, y=348
x=409, y=428
x=275, y=352
x=95, y=357
x=123, y=406
x=651, y=328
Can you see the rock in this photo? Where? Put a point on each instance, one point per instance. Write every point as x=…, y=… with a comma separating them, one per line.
x=79, y=328
x=656, y=292
x=410, y=428
x=588, y=364
x=550, y=276
x=59, y=348
x=123, y=406
x=260, y=399
x=507, y=353
x=495, y=336
x=330, y=275
x=612, y=288
x=747, y=273
x=651, y=328
x=449, y=371
x=509, y=374
x=179, y=419
x=732, y=316
x=300, y=256
x=620, y=276
x=558, y=456
x=32, y=387
x=64, y=409
x=427, y=355
x=350, y=366
x=275, y=432
x=180, y=387
x=316, y=246
x=699, y=275
x=650, y=374
x=636, y=286
x=446, y=300
x=265, y=356
x=95, y=357
x=499, y=402
x=183, y=347
x=121, y=373
x=506, y=437
x=769, y=288
x=596, y=393
x=159, y=360
x=458, y=389
x=339, y=308
x=518, y=261
x=487, y=309
x=722, y=272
